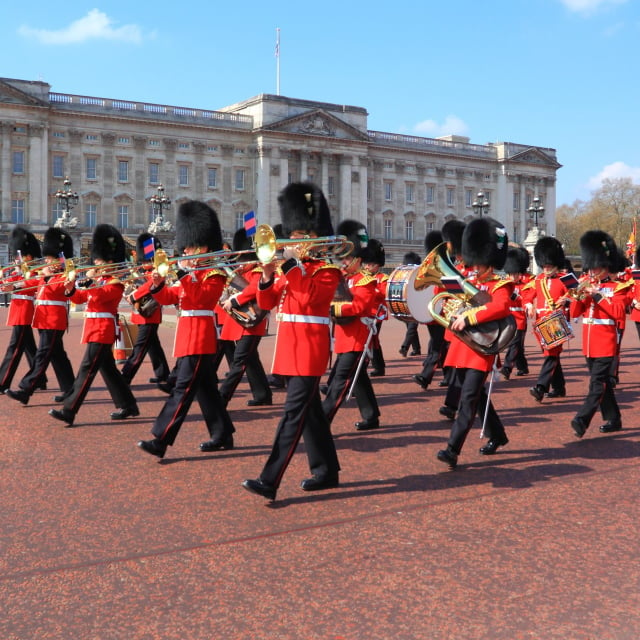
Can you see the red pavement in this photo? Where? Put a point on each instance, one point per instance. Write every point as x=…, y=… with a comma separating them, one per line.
x=100, y=541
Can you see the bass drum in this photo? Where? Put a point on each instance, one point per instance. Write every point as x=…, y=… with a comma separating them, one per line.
x=404, y=301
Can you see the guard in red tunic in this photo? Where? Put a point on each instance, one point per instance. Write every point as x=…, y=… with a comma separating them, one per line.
x=602, y=305
x=147, y=314
x=102, y=296
x=25, y=247
x=372, y=261
x=198, y=289
x=245, y=325
x=354, y=324
x=542, y=296
x=303, y=294
x=484, y=247
x=51, y=319
x=517, y=268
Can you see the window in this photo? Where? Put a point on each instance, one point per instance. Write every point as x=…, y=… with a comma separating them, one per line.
x=408, y=230
x=91, y=215
x=388, y=230
x=122, y=140
x=57, y=169
x=17, y=211
x=183, y=175
x=58, y=134
x=388, y=190
x=430, y=225
x=154, y=143
x=152, y=213
x=239, y=220
x=410, y=193
x=516, y=201
x=91, y=137
x=468, y=197
x=18, y=162
x=369, y=189
x=239, y=179
x=92, y=168
x=450, y=196
x=331, y=186
x=212, y=178
x=430, y=194
x=123, y=171
x=57, y=210
x=183, y=145
x=123, y=216
x=154, y=173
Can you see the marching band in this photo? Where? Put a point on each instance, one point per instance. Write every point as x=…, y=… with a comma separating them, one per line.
x=329, y=306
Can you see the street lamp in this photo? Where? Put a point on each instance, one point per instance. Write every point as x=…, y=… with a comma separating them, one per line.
x=536, y=209
x=480, y=204
x=67, y=199
x=159, y=201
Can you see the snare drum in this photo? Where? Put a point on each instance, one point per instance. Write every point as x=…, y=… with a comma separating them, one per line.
x=553, y=330
x=404, y=302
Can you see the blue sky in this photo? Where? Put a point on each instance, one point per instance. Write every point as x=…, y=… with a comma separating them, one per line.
x=553, y=73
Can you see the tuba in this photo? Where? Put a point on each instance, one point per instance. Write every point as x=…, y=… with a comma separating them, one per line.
x=488, y=338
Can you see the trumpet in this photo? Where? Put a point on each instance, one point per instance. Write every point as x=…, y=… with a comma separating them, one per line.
x=332, y=247
x=163, y=264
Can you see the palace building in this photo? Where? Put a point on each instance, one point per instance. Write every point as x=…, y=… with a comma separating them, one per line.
x=118, y=152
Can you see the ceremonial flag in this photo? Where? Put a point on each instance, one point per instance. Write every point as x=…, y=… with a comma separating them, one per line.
x=250, y=223
x=63, y=260
x=631, y=242
x=149, y=249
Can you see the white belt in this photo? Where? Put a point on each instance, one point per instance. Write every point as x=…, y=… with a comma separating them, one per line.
x=19, y=297
x=99, y=314
x=191, y=313
x=598, y=321
x=516, y=309
x=296, y=317
x=51, y=303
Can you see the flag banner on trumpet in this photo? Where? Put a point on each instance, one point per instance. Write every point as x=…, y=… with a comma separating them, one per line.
x=63, y=260
x=570, y=280
x=148, y=248
x=452, y=284
x=635, y=274
x=250, y=223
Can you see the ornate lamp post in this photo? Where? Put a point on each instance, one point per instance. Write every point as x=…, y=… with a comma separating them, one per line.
x=67, y=200
x=536, y=209
x=480, y=204
x=159, y=201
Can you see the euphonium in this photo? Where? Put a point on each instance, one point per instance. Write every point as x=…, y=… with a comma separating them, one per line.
x=487, y=338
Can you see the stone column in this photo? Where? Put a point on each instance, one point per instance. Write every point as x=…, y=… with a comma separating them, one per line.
x=363, y=177
x=304, y=166
x=38, y=174
x=263, y=181
x=140, y=204
x=107, y=214
x=5, y=163
x=345, y=206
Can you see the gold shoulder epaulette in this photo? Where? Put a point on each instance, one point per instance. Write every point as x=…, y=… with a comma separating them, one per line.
x=365, y=280
x=502, y=282
x=329, y=265
x=624, y=285
x=215, y=272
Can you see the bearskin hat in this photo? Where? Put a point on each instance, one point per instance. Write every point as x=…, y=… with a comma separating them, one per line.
x=242, y=242
x=432, y=240
x=485, y=242
x=107, y=244
x=518, y=260
x=599, y=251
x=303, y=207
x=412, y=258
x=140, y=242
x=25, y=242
x=57, y=241
x=197, y=225
x=355, y=232
x=452, y=233
x=549, y=251
x=374, y=252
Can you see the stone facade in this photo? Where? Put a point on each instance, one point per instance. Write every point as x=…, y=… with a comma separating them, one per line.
x=117, y=152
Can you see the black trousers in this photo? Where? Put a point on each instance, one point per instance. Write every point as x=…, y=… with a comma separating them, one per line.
x=195, y=379
x=99, y=357
x=21, y=341
x=473, y=401
x=551, y=375
x=225, y=349
x=600, y=395
x=377, y=356
x=411, y=338
x=341, y=377
x=436, y=351
x=50, y=351
x=246, y=359
x=303, y=417
x=515, y=356
x=147, y=342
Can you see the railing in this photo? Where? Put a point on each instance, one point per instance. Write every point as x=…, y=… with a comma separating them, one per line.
x=433, y=144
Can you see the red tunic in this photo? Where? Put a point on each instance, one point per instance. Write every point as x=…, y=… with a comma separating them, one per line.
x=100, y=315
x=364, y=306
x=197, y=293
x=303, y=294
x=232, y=329
x=602, y=317
x=517, y=304
x=52, y=304
x=460, y=355
x=22, y=298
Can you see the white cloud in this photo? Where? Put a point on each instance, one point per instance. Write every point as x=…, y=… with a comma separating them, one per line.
x=96, y=25
x=452, y=125
x=613, y=171
x=588, y=7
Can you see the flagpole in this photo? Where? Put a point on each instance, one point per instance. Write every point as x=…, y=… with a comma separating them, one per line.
x=278, y=61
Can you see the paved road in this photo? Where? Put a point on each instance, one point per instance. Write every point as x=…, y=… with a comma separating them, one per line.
x=100, y=541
